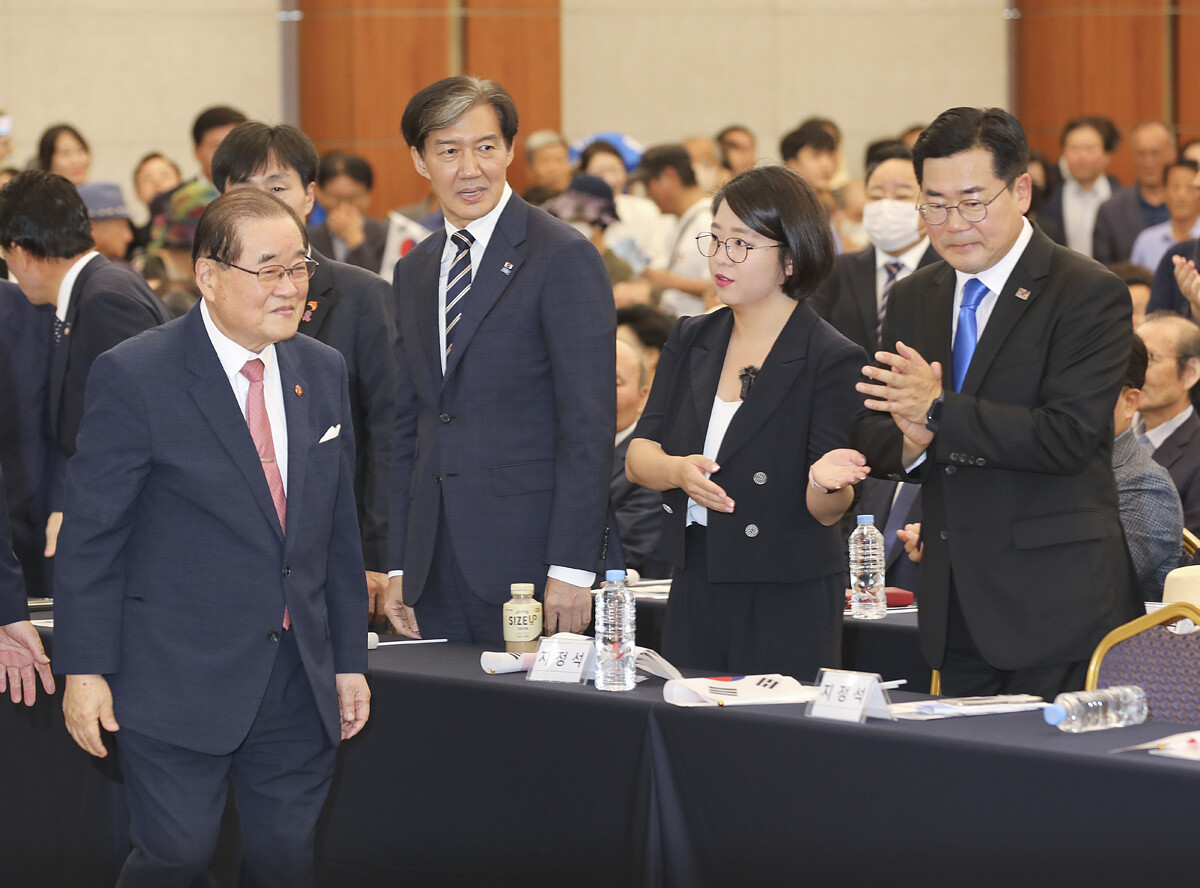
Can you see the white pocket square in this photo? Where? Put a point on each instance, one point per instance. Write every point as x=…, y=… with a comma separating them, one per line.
x=331, y=433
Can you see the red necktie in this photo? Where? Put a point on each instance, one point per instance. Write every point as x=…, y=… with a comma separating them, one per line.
x=260, y=431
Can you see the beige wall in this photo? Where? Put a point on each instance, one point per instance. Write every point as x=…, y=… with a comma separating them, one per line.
x=667, y=69
x=131, y=75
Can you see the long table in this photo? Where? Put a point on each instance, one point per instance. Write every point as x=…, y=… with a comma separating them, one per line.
x=467, y=779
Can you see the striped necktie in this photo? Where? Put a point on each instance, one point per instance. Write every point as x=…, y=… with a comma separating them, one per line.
x=893, y=270
x=458, y=283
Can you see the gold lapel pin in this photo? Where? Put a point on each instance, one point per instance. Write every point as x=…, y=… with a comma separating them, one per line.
x=299, y=391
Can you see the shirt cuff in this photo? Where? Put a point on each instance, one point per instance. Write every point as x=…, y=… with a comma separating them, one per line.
x=395, y=573
x=571, y=575
x=920, y=459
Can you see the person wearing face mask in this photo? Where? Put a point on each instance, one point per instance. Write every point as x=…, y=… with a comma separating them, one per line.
x=854, y=298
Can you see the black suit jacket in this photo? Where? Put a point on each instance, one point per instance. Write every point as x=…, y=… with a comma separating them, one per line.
x=798, y=409
x=1018, y=498
x=350, y=309
x=848, y=301
x=1180, y=456
x=1118, y=223
x=639, y=518
x=13, y=606
x=368, y=254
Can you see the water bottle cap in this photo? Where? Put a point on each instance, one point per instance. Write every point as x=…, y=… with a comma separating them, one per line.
x=1054, y=714
x=866, y=519
x=614, y=576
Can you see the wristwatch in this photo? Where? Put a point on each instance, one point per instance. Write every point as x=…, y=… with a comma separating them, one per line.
x=933, y=419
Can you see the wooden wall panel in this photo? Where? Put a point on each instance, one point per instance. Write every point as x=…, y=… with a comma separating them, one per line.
x=1187, y=69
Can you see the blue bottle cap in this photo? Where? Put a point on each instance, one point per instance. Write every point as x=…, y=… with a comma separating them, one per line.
x=866, y=519
x=1054, y=714
x=614, y=576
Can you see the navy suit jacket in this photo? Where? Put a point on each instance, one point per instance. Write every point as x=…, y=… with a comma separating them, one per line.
x=1118, y=223
x=638, y=514
x=172, y=571
x=515, y=441
x=1180, y=456
x=368, y=254
x=876, y=499
x=351, y=310
x=1018, y=499
x=13, y=605
x=798, y=409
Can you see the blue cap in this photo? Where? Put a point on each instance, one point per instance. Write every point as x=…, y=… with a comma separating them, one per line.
x=1054, y=714
x=866, y=519
x=614, y=576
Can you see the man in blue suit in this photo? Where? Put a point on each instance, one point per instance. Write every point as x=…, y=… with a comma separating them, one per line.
x=211, y=601
x=506, y=402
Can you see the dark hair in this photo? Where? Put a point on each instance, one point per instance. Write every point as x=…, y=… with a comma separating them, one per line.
x=778, y=203
x=651, y=325
x=214, y=118
x=1110, y=136
x=219, y=232
x=49, y=139
x=1132, y=274
x=251, y=146
x=1139, y=359
x=43, y=213
x=1181, y=163
x=660, y=157
x=829, y=126
x=961, y=129
x=598, y=147
x=884, y=149
x=720, y=139
x=441, y=104
x=155, y=155
x=810, y=134
x=342, y=163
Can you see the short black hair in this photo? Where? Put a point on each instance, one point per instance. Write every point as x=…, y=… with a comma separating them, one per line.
x=42, y=212
x=1110, y=136
x=49, y=139
x=214, y=118
x=343, y=163
x=251, y=146
x=218, y=233
x=778, y=204
x=961, y=129
x=651, y=325
x=885, y=149
x=810, y=134
x=660, y=157
x=1180, y=163
x=442, y=103
x=600, y=146
x=1139, y=359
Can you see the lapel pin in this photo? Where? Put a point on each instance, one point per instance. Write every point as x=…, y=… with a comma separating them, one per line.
x=1022, y=293
x=299, y=391
x=507, y=269
x=312, y=306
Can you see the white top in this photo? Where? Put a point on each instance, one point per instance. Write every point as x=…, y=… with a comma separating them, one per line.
x=1079, y=212
x=1157, y=435
x=718, y=425
x=687, y=260
x=233, y=357
x=995, y=278
x=68, y=283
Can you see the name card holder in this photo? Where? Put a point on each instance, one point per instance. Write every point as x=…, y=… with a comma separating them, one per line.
x=843, y=695
x=566, y=660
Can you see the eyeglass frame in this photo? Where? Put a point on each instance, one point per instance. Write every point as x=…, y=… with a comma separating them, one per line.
x=309, y=264
x=984, y=204
x=726, y=244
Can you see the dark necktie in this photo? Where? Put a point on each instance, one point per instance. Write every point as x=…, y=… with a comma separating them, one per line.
x=893, y=270
x=967, y=334
x=458, y=283
x=260, y=431
x=59, y=327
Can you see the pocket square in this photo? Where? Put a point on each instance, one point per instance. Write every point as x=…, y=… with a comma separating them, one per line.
x=331, y=433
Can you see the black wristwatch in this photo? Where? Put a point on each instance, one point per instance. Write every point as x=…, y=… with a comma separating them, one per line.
x=933, y=419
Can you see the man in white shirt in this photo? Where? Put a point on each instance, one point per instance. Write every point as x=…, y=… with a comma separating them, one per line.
x=671, y=183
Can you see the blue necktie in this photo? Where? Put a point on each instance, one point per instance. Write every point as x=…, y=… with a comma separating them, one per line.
x=458, y=282
x=967, y=334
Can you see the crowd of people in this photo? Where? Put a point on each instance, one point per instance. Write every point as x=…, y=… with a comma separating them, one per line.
x=937, y=345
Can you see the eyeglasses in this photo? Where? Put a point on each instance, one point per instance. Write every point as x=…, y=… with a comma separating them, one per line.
x=735, y=248
x=271, y=275
x=968, y=210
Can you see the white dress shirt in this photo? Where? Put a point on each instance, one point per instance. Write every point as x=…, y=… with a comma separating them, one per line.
x=68, y=283
x=1079, y=212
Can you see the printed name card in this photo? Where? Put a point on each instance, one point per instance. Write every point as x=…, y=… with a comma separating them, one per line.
x=564, y=659
x=843, y=695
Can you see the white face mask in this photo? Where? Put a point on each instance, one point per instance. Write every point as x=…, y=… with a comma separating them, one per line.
x=892, y=225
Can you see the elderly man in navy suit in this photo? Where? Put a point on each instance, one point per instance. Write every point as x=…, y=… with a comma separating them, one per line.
x=506, y=409
x=211, y=600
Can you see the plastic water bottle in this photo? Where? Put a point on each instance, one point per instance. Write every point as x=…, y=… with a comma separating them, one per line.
x=616, y=662
x=1114, y=707
x=867, y=564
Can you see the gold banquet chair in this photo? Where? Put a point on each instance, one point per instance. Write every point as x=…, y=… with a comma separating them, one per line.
x=1165, y=665
x=1191, y=543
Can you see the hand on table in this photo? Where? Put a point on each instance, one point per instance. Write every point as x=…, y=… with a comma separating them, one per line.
x=23, y=659
x=567, y=608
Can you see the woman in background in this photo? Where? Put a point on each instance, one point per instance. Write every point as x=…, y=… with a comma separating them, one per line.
x=62, y=149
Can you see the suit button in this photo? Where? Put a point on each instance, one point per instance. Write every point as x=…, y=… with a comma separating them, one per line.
x=437, y=476
x=272, y=637
x=287, y=571
x=980, y=461
x=445, y=417
x=760, y=477
x=950, y=470
x=668, y=509
x=752, y=530
x=945, y=534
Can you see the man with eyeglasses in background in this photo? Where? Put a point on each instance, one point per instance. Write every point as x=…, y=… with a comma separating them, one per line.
x=995, y=387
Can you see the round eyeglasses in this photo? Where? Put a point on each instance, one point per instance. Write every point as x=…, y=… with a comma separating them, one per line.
x=271, y=275
x=735, y=248
x=969, y=210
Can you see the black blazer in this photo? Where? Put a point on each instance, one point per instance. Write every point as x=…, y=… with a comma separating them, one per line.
x=847, y=298
x=1180, y=456
x=350, y=309
x=13, y=606
x=368, y=254
x=798, y=409
x=1017, y=496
